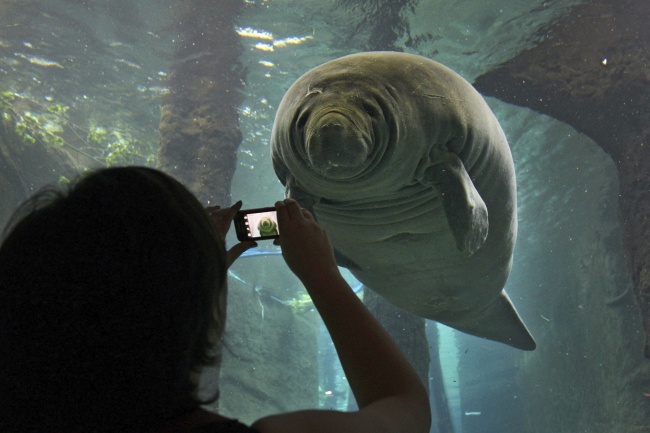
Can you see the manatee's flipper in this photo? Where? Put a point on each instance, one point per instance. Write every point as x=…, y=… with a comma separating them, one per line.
x=464, y=208
x=497, y=321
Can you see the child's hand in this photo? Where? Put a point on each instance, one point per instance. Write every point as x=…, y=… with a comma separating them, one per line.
x=305, y=245
x=222, y=219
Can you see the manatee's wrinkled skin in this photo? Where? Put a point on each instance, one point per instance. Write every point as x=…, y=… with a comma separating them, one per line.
x=408, y=170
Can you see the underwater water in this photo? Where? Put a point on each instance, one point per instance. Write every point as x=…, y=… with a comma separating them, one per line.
x=87, y=78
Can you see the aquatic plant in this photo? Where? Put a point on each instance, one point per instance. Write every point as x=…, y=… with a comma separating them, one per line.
x=300, y=305
x=34, y=122
x=48, y=124
x=120, y=147
x=32, y=127
x=6, y=100
x=97, y=136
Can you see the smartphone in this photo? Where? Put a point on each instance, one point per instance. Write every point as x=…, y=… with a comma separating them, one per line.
x=257, y=224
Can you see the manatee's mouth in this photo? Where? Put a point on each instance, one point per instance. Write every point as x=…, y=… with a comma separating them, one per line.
x=338, y=145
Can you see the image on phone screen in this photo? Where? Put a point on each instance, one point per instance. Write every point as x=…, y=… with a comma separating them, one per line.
x=257, y=224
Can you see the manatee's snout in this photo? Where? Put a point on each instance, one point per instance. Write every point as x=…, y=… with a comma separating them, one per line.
x=336, y=147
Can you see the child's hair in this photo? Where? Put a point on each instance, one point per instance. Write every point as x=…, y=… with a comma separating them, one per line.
x=112, y=295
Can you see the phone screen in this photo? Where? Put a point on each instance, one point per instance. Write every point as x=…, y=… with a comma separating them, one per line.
x=257, y=224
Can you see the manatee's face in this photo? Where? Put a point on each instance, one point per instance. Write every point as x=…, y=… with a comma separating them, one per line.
x=266, y=224
x=338, y=140
x=340, y=131
x=267, y=227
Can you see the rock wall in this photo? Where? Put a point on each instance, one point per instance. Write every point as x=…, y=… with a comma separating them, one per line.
x=199, y=124
x=270, y=360
x=591, y=71
x=570, y=283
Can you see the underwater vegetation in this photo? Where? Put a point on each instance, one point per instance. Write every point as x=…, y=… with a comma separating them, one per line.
x=121, y=147
x=31, y=126
x=50, y=125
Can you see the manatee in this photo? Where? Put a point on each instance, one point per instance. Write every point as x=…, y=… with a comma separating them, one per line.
x=406, y=167
x=267, y=227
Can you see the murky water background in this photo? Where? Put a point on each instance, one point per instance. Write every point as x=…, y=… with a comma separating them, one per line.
x=89, y=75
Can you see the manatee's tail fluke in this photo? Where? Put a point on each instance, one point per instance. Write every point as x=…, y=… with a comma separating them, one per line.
x=499, y=321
